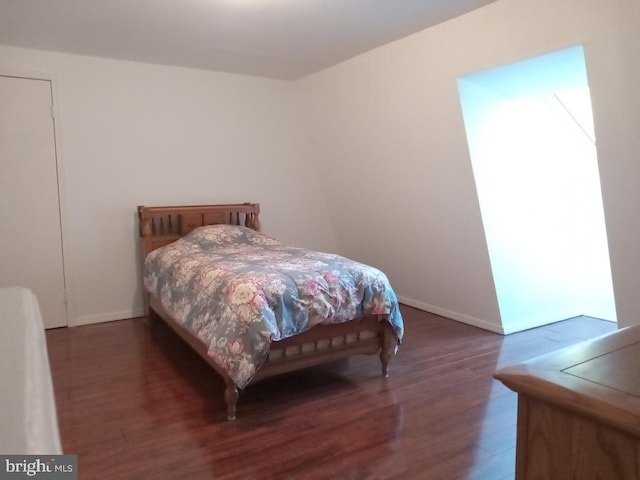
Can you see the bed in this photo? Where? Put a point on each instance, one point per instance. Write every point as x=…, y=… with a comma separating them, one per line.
x=253, y=307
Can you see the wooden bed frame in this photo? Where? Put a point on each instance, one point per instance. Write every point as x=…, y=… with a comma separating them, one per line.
x=160, y=226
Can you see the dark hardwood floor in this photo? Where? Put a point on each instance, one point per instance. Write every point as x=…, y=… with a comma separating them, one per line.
x=136, y=403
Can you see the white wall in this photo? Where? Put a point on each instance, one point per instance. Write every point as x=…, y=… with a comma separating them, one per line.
x=385, y=137
x=387, y=129
x=137, y=134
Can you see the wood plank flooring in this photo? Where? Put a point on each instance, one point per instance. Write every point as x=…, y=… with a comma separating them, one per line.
x=136, y=403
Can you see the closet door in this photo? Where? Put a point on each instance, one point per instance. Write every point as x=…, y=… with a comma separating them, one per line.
x=30, y=231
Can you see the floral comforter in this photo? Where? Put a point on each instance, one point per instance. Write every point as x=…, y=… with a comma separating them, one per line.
x=237, y=290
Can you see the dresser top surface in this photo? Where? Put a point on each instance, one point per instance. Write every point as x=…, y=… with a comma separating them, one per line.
x=598, y=378
x=618, y=369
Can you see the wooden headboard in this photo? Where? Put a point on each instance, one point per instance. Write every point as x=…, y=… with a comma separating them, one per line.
x=160, y=226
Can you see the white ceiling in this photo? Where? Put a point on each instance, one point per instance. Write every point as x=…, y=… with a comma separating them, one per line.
x=285, y=39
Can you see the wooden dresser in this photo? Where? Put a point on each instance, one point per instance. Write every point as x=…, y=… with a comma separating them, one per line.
x=579, y=410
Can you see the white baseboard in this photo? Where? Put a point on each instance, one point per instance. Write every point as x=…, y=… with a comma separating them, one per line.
x=539, y=321
x=511, y=327
x=105, y=317
x=476, y=322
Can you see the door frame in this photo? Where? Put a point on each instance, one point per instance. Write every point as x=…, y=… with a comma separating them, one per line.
x=61, y=181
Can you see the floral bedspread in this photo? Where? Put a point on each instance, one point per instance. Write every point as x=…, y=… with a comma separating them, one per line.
x=237, y=290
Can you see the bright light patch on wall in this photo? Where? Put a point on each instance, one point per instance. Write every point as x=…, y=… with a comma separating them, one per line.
x=532, y=144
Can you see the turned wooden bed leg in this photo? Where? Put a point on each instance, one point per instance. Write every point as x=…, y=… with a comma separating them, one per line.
x=231, y=397
x=388, y=347
x=151, y=317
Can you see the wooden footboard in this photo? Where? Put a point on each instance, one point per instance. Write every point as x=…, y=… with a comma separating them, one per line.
x=321, y=344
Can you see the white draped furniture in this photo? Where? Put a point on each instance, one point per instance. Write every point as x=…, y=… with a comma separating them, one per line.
x=28, y=420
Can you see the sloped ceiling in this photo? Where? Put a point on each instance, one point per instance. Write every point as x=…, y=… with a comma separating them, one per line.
x=286, y=39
